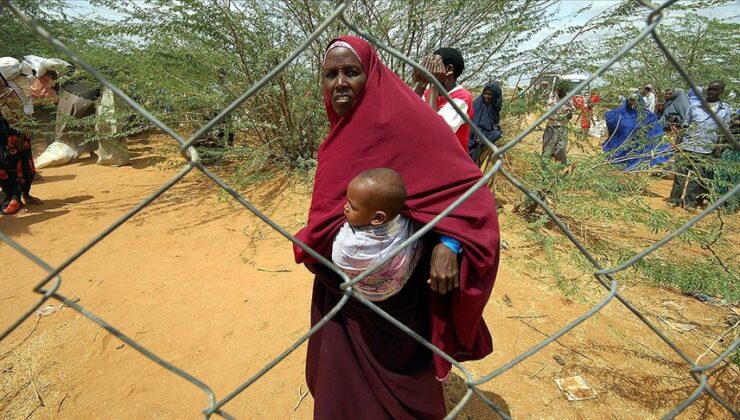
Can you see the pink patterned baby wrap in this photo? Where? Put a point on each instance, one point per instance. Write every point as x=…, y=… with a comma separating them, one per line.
x=356, y=248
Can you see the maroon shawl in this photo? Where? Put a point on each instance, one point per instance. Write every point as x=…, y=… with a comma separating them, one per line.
x=390, y=126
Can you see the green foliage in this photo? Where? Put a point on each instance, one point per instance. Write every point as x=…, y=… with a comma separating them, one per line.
x=489, y=33
x=692, y=276
x=580, y=191
x=19, y=40
x=187, y=60
x=597, y=201
x=553, y=264
x=705, y=47
x=735, y=358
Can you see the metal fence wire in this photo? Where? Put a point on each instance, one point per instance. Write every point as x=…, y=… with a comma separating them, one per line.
x=49, y=286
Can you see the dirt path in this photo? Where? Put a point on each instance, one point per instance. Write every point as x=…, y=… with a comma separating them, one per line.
x=203, y=284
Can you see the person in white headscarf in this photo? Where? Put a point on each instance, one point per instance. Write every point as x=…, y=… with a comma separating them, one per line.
x=648, y=95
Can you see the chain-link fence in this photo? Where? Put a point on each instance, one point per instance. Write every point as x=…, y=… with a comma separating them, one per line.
x=49, y=286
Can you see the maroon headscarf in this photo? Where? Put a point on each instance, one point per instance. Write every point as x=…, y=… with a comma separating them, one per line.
x=390, y=126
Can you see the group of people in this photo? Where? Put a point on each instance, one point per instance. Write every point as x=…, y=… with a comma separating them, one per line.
x=701, y=146
x=644, y=132
x=446, y=65
x=373, y=191
x=389, y=165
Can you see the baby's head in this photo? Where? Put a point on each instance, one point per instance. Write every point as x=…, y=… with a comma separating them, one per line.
x=374, y=197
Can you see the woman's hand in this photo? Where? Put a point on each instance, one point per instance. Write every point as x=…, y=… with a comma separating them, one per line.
x=444, y=274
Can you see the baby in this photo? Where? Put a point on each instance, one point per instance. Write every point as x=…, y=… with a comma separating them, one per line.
x=373, y=229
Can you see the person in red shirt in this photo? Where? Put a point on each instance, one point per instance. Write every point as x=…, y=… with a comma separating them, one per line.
x=585, y=105
x=16, y=159
x=594, y=101
x=447, y=64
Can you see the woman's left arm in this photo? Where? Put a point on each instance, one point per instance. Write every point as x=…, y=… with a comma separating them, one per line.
x=444, y=271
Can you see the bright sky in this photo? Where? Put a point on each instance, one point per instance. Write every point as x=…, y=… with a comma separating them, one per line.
x=567, y=14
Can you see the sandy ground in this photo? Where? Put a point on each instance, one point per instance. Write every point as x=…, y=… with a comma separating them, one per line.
x=203, y=284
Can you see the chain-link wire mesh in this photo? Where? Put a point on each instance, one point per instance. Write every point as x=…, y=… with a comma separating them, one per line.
x=49, y=286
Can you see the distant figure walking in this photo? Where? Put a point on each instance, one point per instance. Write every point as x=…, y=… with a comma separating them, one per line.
x=555, y=137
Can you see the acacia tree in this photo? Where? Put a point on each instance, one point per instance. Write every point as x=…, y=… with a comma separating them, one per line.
x=187, y=60
x=707, y=48
x=19, y=40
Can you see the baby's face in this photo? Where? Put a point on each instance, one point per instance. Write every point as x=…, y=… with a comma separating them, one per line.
x=358, y=209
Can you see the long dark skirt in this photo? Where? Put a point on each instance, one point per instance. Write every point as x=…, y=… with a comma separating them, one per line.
x=17, y=169
x=360, y=366
x=16, y=179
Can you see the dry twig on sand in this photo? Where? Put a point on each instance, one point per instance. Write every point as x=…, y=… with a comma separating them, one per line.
x=274, y=270
x=548, y=335
x=301, y=396
x=30, y=378
x=59, y=407
x=526, y=316
x=35, y=325
x=716, y=341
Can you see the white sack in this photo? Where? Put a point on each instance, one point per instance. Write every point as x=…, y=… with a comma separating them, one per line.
x=10, y=67
x=41, y=65
x=56, y=154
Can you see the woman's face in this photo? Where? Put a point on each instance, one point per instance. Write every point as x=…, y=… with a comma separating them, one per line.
x=632, y=104
x=343, y=79
x=487, y=96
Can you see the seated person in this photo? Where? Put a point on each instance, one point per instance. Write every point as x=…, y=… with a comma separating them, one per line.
x=373, y=229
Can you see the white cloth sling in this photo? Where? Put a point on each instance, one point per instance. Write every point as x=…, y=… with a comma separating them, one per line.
x=356, y=248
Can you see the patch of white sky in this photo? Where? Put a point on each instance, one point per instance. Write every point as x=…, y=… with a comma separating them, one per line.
x=572, y=13
x=85, y=8
x=576, y=13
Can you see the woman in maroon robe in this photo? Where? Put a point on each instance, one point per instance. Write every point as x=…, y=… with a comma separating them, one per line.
x=359, y=365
